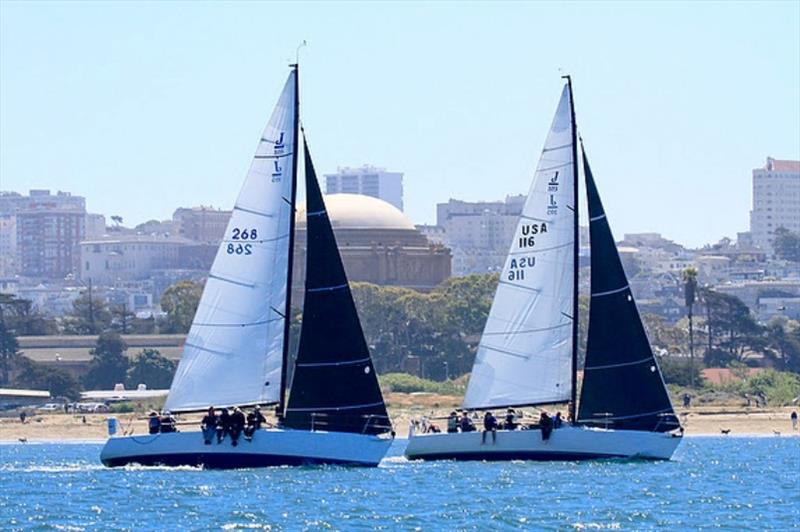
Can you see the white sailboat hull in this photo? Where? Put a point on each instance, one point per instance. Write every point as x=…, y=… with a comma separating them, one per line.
x=269, y=447
x=565, y=443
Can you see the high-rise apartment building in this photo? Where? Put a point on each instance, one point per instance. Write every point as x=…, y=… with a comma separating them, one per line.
x=367, y=181
x=776, y=200
x=48, y=229
x=8, y=245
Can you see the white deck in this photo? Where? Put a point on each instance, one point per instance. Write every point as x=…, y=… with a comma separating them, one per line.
x=565, y=443
x=269, y=447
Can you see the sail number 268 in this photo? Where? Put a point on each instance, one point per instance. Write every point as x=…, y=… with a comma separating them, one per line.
x=239, y=248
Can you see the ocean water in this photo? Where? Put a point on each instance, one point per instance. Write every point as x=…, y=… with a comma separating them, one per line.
x=726, y=483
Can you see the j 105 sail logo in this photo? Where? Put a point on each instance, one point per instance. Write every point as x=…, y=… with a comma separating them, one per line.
x=529, y=232
x=277, y=173
x=552, y=187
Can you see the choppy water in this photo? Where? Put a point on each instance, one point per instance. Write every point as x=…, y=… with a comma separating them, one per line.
x=723, y=483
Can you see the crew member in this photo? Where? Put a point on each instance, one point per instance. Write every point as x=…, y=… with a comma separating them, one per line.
x=209, y=425
x=236, y=425
x=254, y=421
x=489, y=425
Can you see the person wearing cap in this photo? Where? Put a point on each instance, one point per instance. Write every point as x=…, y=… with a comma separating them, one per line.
x=254, y=421
x=489, y=425
x=511, y=419
x=236, y=425
x=223, y=424
x=167, y=422
x=209, y=425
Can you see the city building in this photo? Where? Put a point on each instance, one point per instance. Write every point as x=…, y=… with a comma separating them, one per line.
x=8, y=245
x=124, y=257
x=776, y=201
x=378, y=244
x=95, y=226
x=49, y=226
x=368, y=181
x=201, y=224
x=479, y=233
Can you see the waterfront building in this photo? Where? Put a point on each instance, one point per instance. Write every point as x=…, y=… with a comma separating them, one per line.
x=378, y=244
x=367, y=180
x=776, y=200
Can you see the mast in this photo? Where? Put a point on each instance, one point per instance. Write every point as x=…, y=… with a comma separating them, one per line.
x=575, y=249
x=287, y=321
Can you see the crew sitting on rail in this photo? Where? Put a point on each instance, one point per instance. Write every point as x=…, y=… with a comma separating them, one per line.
x=153, y=423
x=223, y=424
x=557, y=421
x=546, y=425
x=466, y=423
x=452, y=422
x=167, y=422
x=254, y=421
x=511, y=420
x=209, y=425
x=236, y=425
x=489, y=425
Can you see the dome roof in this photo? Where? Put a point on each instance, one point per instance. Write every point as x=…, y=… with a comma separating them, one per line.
x=354, y=211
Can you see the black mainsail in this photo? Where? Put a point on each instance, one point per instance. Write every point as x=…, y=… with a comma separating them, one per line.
x=334, y=387
x=622, y=384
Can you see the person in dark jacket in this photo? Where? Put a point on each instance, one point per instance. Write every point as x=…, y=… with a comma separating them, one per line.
x=489, y=425
x=466, y=423
x=209, y=425
x=546, y=426
x=153, y=423
x=511, y=420
x=452, y=422
x=236, y=425
x=254, y=421
x=223, y=424
x=557, y=421
x=167, y=422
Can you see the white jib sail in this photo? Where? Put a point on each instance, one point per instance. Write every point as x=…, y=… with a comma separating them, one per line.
x=233, y=353
x=525, y=354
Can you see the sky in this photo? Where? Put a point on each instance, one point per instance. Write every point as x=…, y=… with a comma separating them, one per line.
x=143, y=107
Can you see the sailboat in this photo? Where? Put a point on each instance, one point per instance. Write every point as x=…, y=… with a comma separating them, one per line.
x=237, y=351
x=528, y=353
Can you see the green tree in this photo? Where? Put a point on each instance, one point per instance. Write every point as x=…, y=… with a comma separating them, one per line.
x=786, y=244
x=152, y=368
x=690, y=296
x=89, y=315
x=9, y=351
x=109, y=364
x=180, y=302
x=731, y=327
x=41, y=377
x=24, y=318
x=122, y=319
x=680, y=371
x=783, y=343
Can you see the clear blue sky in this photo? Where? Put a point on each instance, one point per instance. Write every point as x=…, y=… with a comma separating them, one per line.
x=144, y=107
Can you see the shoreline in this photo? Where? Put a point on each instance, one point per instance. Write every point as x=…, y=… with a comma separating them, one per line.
x=700, y=421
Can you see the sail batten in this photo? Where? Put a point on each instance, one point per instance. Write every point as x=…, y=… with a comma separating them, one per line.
x=525, y=353
x=622, y=384
x=233, y=352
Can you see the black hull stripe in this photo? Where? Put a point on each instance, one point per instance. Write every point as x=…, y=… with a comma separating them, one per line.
x=227, y=460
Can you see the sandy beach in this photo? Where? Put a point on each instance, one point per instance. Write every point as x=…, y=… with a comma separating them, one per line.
x=704, y=420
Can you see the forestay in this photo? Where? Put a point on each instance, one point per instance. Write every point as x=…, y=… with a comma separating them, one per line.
x=233, y=353
x=525, y=354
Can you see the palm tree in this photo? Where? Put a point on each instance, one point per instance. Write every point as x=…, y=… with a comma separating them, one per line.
x=690, y=293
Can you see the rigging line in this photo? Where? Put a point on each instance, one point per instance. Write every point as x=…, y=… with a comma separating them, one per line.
x=327, y=288
x=528, y=288
x=335, y=408
x=251, y=211
x=609, y=292
x=614, y=418
x=598, y=217
x=278, y=312
x=524, y=217
x=554, y=148
x=570, y=318
x=316, y=213
x=251, y=324
x=277, y=156
x=320, y=364
x=509, y=333
x=232, y=281
x=610, y=366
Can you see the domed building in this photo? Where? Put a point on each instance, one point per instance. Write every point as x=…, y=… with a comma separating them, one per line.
x=378, y=244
